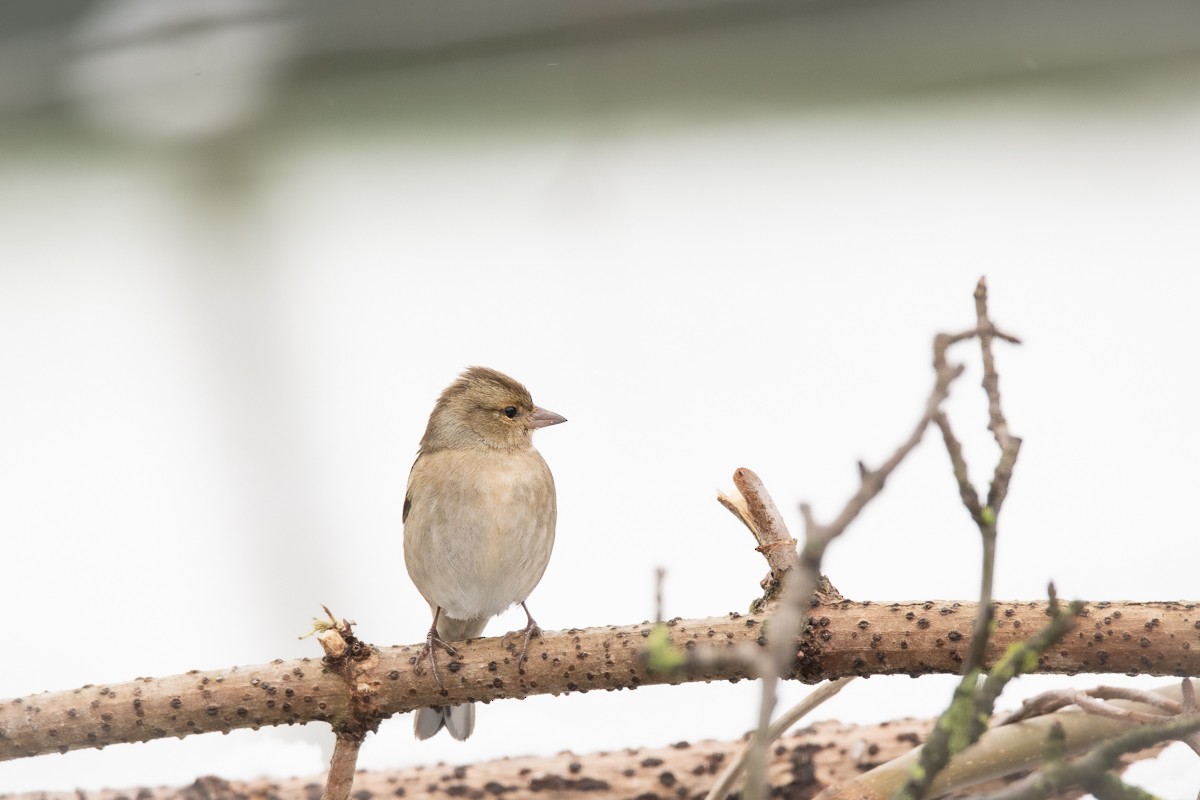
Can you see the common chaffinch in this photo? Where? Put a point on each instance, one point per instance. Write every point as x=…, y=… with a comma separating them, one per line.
x=478, y=518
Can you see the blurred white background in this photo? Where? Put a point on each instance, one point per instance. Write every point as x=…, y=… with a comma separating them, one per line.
x=245, y=246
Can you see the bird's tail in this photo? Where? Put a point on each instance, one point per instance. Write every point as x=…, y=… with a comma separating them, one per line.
x=458, y=720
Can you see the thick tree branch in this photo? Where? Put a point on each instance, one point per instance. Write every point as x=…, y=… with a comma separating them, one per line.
x=801, y=764
x=839, y=639
x=822, y=755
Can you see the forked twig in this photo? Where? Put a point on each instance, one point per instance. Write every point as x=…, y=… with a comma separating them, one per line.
x=1094, y=701
x=1093, y=771
x=965, y=720
x=731, y=773
x=800, y=584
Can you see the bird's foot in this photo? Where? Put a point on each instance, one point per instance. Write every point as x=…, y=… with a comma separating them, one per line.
x=433, y=641
x=530, y=630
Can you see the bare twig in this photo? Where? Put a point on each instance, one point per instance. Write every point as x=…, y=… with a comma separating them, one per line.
x=1009, y=444
x=659, y=575
x=817, y=537
x=964, y=721
x=773, y=533
x=1018, y=660
x=1141, y=696
x=1107, y=786
x=758, y=511
x=1094, y=703
x=1092, y=700
x=729, y=776
x=350, y=659
x=752, y=504
x=802, y=583
x=1190, y=706
x=1091, y=768
x=340, y=779
x=1000, y=752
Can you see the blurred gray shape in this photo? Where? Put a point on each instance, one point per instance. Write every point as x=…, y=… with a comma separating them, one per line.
x=166, y=68
x=165, y=71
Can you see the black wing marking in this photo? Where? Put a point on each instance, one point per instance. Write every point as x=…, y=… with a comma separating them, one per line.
x=408, y=495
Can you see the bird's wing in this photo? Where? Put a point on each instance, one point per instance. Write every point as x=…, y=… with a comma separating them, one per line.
x=408, y=497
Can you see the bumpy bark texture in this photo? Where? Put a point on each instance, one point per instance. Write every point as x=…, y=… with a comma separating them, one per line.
x=844, y=638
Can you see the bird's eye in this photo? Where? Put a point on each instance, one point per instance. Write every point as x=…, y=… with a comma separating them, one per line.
x=510, y=411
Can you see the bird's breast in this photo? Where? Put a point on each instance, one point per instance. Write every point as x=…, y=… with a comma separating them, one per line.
x=480, y=528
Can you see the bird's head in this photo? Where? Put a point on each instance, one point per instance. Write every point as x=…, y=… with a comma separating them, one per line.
x=485, y=409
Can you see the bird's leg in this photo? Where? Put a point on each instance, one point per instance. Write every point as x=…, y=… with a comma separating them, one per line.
x=530, y=630
x=432, y=640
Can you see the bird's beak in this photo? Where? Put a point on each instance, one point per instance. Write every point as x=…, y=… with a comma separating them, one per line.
x=541, y=418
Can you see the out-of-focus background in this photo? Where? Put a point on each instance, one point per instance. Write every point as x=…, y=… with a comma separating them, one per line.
x=245, y=243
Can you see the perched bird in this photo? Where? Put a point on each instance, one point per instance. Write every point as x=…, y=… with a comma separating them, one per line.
x=478, y=518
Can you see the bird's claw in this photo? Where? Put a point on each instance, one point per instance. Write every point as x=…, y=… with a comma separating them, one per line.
x=530, y=630
x=432, y=641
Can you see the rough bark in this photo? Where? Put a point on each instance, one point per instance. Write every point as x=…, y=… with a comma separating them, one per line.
x=825, y=754
x=844, y=638
x=801, y=764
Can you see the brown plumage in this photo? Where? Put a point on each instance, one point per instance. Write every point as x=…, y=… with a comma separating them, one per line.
x=479, y=518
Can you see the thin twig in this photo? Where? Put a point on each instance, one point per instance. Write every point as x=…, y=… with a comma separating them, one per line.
x=340, y=780
x=1000, y=752
x=1139, y=696
x=1093, y=705
x=731, y=773
x=801, y=583
x=1019, y=659
x=1092, y=700
x=997, y=424
x=1190, y=706
x=965, y=719
x=659, y=575
x=1058, y=777
x=347, y=656
x=752, y=504
x=1039, y=705
x=1107, y=786
x=773, y=531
